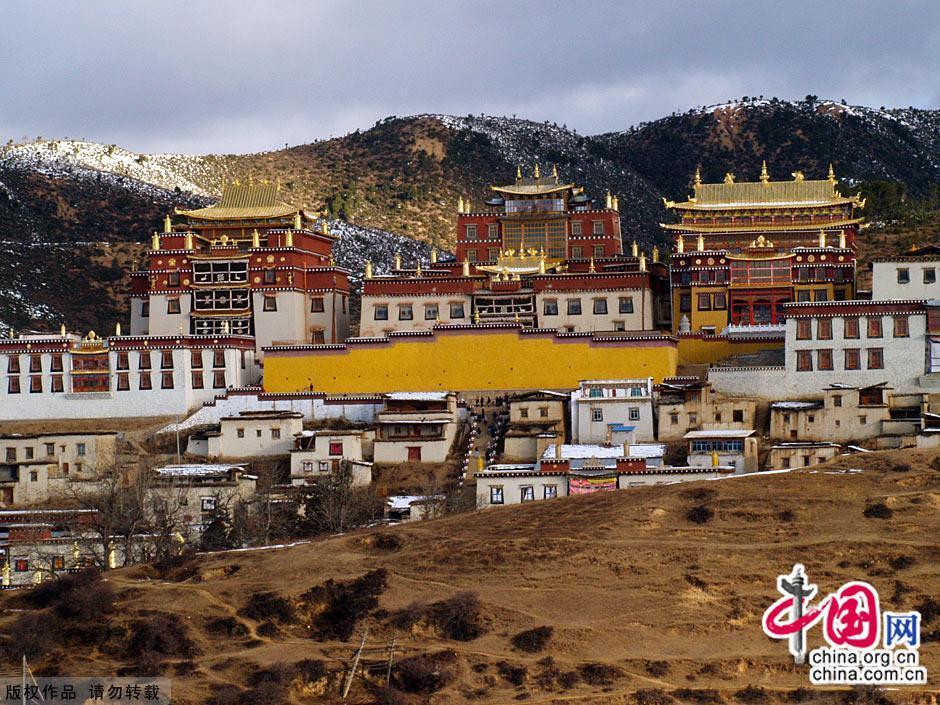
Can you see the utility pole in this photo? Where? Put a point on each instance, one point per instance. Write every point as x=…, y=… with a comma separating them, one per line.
x=391, y=654
x=355, y=665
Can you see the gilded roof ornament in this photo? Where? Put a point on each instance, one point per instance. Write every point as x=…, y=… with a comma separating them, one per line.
x=167, y=224
x=538, y=174
x=555, y=171
x=831, y=177
x=729, y=177
x=798, y=176
x=698, y=176
x=764, y=176
x=591, y=267
x=518, y=172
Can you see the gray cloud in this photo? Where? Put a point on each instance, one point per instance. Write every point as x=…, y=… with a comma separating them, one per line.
x=245, y=76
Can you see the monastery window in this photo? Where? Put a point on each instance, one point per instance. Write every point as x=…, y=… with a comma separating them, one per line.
x=720, y=302
x=80, y=448
x=166, y=380
x=577, y=252
x=574, y=307
x=575, y=227
x=239, y=433
x=704, y=302
x=802, y=274
x=13, y=364
x=717, y=417
x=323, y=466
x=600, y=306
x=853, y=359
x=685, y=278
x=526, y=493
x=30, y=453
x=543, y=412
x=620, y=325
x=625, y=304
x=824, y=328
x=197, y=380
x=550, y=307
x=270, y=276
x=258, y=433
x=123, y=382
x=317, y=337
x=851, y=328
x=634, y=413
x=904, y=275
x=275, y=434
x=13, y=385
x=21, y=565
x=598, y=251
x=145, y=309
x=737, y=415
x=496, y=494
x=492, y=231
x=35, y=363
x=874, y=327
x=56, y=362
x=471, y=231
x=820, y=295
x=218, y=380
x=549, y=491
x=837, y=400
x=472, y=256
x=316, y=304
x=824, y=359
x=173, y=279
x=685, y=303
x=11, y=455
x=405, y=312
x=693, y=419
x=173, y=305
x=145, y=382
x=876, y=358
x=804, y=329
x=57, y=384
x=597, y=414
x=380, y=312
x=838, y=295
x=342, y=303
x=58, y=562
x=208, y=504
x=35, y=384
x=901, y=327
x=196, y=359
x=598, y=227
x=50, y=448
x=804, y=295
x=930, y=275
x=785, y=463
x=336, y=448
x=122, y=361
x=456, y=310
x=673, y=419
x=430, y=312
x=492, y=253
x=270, y=303
x=804, y=361
x=166, y=359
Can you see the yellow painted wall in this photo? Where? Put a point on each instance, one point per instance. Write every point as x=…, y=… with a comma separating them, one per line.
x=470, y=359
x=709, y=349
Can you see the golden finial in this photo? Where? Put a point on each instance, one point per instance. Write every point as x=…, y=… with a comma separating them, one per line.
x=418, y=268
x=610, y=201
x=729, y=177
x=698, y=176
x=460, y=205
x=518, y=172
x=538, y=174
x=466, y=205
x=700, y=243
x=188, y=241
x=155, y=242
x=715, y=460
x=62, y=330
x=516, y=316
x=616, y=204
x=655, y=253
x=466, y=267
x=324, y=227
x=542, y=263
x=634, y=249
x=368, y=269
x=167, y=224
x=555, y=171
x=476, y=317
x=764, y=176
x=591, y=266
x=832, y=175
x=297, y=224
x=822, y=238
x=680, y=245
x=117, y=329
x=398, y=260
x=332, y=261
x=642, y=261
x=797, y=176
x=255, y=239
x=433, y=255
x=842, y=240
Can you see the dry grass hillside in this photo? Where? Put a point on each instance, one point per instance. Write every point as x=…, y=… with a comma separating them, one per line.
x=644, y=604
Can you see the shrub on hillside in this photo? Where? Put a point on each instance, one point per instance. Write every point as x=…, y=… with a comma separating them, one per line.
x=700, y=514
x=268, y=606
x=226, y=626
x=159, y=633
x=878, y=510
x=657, y=669
x=533, y=640
x=425, y=673
x=511, y=672
x=752, y=694
x=459, y=617
x=653, y=696
x=901, y=562
x=599, y=673
x=387, y=541
x=345, y=603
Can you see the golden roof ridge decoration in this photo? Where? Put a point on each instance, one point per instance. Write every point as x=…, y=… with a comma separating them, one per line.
x=248, y=199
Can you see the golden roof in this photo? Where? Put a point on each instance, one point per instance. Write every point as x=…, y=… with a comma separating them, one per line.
x=536, y=185
x=765, y=193
x=765, y=227
x=245, y=200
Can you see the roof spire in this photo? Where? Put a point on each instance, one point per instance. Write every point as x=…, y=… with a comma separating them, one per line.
x=764, y=176
x=610, y=200
x=538, y=174
x=555, y=171
x=832, y=175
x=698, y=176
x=518, y=172
x=729, y=177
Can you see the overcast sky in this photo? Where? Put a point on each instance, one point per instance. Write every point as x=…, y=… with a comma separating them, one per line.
x=243, y=76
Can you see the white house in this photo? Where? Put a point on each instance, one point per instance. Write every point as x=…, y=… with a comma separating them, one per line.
x=723, y=447
x=416, y=427
x=319, y=453
x=250, y=434
x=911, y=276
x=612, y=411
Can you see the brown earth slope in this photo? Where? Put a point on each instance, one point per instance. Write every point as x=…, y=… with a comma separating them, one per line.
x=645, y=605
